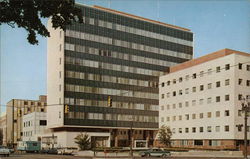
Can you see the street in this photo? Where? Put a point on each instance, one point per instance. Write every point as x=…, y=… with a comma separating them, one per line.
x=45, y=156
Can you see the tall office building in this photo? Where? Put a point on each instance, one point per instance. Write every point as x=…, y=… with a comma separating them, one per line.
x=111, y=54
x=201, y=100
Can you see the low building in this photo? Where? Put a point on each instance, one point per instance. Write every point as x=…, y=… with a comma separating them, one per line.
x=200, y=100
x=16, y=109
x=3, y=130
x=34, y=125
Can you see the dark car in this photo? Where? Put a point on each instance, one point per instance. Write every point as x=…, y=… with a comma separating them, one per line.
x=44, y=151
x=155, y=153
x=52, y=151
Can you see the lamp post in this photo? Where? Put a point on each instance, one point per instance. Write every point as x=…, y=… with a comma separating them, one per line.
x=245, y=103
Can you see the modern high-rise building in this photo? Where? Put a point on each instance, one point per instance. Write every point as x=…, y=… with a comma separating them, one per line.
x=112, y=54
x=16, y=109
x=201, y=100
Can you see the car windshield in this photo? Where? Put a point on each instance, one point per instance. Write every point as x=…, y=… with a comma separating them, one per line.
x=157, y=150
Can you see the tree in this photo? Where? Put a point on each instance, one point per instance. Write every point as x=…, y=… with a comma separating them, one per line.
x=27, y=14
x=83, y=141
x=165, y=135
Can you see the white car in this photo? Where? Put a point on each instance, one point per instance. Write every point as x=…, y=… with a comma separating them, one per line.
x=67, y=150
x=4, y=151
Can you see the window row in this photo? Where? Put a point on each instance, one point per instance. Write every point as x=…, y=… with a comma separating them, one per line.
x=195, y=89
x=112, y=79
x=196, y=143
x=194, y=102
x=202, y=73
x=240, y=66
x=110, y=91
x=121, y=43
x=115, y=104
x=118, y=117
x=136, y=31
x=27, y=133
x=196, y=116
x=241, y=82
x=109, y=66
x=27, y=124
x=200, y=129
x=114, y=54
x=20, y=103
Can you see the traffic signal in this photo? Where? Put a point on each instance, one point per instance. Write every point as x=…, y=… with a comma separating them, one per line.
x=66, y=109
x=19, y=112
x=109, y=101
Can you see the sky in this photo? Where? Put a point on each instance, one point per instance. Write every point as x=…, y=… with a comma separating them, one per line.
x=216, y=24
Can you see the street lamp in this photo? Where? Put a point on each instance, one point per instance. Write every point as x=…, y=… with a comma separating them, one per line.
x=245, y=103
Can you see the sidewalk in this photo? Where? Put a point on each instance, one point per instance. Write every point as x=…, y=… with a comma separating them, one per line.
x=193, y=153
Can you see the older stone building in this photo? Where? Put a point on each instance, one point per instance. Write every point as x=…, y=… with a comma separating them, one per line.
x=16, y=109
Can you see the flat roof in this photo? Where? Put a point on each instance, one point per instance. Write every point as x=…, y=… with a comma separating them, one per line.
x=206, y=58
x=140, y=18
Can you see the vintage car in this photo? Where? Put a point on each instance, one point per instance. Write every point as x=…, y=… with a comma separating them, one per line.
x=155, y=152
x=67, y=150
x=4, y=151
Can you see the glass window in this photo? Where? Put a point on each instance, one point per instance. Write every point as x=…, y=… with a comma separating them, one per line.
x=201, y=87
x=217, y=128
x=194, y=89
x=209, y=85
x=209, y=129
x=240, y=66
x=209, y=100
x=240, y=81
x=180, y=130
x=217, y=113
x=218, y=99
x=209, y=114
x=227, y=113
x=201, y=129
x=201, y=115
x=218, y=84
x=227, y=82
x=217, y=69
x=226, y=128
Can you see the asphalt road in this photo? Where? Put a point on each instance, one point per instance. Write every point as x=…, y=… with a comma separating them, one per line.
x=45, y=156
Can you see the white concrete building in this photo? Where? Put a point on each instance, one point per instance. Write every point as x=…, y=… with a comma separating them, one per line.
x=199, y=100
x=34, y=125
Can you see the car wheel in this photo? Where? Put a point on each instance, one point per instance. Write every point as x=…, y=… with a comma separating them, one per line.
x=164, y=156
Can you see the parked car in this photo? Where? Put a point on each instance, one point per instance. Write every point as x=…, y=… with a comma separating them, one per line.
x=44, y=151
x=156, y=152
x=67, y=150
x=4, y=151
x=11, y=150
x=53, y=151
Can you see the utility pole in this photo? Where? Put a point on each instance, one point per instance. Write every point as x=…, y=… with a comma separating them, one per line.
x=131, y=138
x=13, y=102
x=53, y=141
x=245, y=103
